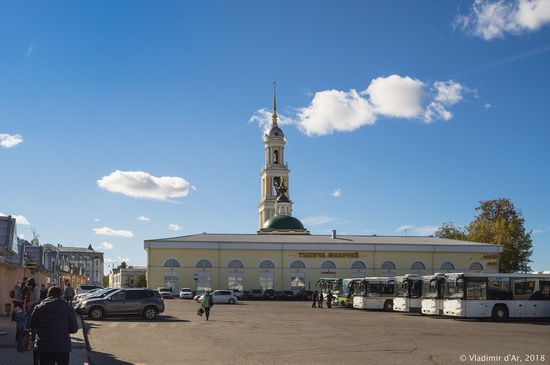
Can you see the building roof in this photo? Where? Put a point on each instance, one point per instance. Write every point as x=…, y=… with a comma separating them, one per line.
x=314, y=242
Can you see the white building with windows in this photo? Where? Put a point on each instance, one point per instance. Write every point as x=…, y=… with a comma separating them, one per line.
x=283, y=255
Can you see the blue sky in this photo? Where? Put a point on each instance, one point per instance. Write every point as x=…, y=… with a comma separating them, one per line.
x=132, y=120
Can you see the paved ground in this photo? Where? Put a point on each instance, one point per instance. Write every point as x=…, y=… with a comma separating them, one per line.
x=273, y=333
x=10, y=356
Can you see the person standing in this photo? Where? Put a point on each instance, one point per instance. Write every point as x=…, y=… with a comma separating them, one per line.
x=320, y=300
x=53, y=321
x=329, y=299
x=69, y=294
x=207, y=304
x=34, y=295
x=315, y=294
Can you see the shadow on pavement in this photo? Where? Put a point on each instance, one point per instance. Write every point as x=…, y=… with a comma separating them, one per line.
x=99, y=358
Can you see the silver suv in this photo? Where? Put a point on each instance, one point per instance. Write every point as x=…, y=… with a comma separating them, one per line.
x=137, y=302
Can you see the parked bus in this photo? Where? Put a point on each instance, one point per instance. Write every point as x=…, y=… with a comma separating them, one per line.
x=499, y=296
x=374, y=293
x=347, y=289
x=433, y=289
x=332, y=284
x=408, y=293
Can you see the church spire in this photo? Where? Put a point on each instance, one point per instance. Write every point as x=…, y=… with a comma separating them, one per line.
x=274, y=117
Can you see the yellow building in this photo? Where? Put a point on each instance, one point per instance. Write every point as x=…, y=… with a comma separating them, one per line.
x=283, y=255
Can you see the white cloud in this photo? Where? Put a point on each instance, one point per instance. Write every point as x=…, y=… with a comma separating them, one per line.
x=19, y=219
x=490, y=19
x=418, y=231
x=264, y=118
x=143, y=218
x=404, y=228
x=396, y=96
x=336, y=193
x=138, y=184
x=124, y=259
x=106, y=245
x=335, y=111
x=10, y=140
x=385, y=97
x=106, y=231
x=318, y=220
x=174, y=227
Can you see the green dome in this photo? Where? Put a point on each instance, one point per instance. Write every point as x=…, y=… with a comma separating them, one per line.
x=285, y=222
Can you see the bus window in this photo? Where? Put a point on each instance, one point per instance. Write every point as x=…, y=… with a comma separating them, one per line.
x=475, y=290
x=524, y=287
x=544, y=287
x=499, y=289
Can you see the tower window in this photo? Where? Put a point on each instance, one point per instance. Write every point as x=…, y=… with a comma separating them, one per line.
x=276, y=157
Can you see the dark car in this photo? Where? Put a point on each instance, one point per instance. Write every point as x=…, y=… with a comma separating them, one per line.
x=287, y=295
x=270, y=294
x=134, y=302
x=255, y=294
x=304, y=295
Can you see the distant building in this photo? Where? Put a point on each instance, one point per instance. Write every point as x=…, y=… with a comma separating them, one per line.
x=127, y=278
x=284, y=255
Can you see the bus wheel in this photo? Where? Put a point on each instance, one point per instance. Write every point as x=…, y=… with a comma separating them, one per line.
x=388, y=306
x=343, y=304
x=500, y=313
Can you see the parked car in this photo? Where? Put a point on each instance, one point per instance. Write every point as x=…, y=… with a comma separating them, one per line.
x=304, y=295
x=165, y=293
x=236, y=292
x=270, y=294
x=287, y=295
x=79, y=296
x=255, y=294
x=101, y=293
x=81, y=289
x=186, y=293
x=220, y=297
x=147, y=303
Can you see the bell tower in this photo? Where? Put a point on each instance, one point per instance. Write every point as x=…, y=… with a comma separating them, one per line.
x=274, y=174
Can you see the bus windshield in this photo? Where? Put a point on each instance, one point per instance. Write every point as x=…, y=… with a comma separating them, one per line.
x=454, y=288
x=430, y=289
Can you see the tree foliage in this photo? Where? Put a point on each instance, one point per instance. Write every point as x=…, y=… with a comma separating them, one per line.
x=451, y=232
x=499, y=223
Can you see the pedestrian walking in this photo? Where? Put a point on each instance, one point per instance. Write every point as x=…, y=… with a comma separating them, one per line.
x=207, y=304
x=329, y=299
x=69, y=294
x=315, y=295
x=320, y=300
x=53, y=321
x=33, y=292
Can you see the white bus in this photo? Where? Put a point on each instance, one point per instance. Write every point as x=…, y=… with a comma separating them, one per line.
x=433, y=289
x=408, y=293
x=374, y=293
x=499, y=296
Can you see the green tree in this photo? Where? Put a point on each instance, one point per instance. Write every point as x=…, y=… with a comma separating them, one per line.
x=452, y=232
x=500, y=223
x=141, y=281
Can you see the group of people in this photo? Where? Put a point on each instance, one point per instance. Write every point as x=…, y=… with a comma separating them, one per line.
x=319, y=297
x=48, y=317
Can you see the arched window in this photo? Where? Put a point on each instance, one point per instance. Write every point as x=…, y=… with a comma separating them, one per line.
x=328, y=265
x=171, y=263
x=204, y=263
x=418, y=266
x=388, y=265
x=447, y=266
x=267, y=264
x=297, y=265
x=235, y=264
x=276, y=157
x=476, y=266
x=358, y=265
